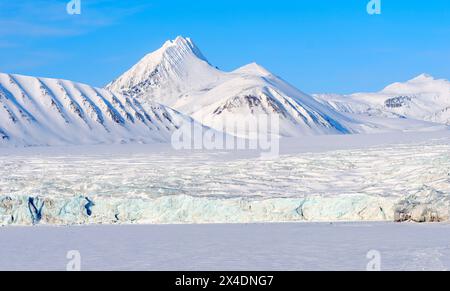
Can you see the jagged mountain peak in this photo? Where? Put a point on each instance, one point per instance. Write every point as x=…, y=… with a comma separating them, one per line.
x=171, y=56
x=178, y=66
x=183, y=45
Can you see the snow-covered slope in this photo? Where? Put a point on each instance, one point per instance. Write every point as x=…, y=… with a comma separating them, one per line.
x=422, y=98
x=179, y=76
x=41, y=111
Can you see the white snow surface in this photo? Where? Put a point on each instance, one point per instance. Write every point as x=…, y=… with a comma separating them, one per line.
x=233, y=247
x=41, y=111
x=390, y=182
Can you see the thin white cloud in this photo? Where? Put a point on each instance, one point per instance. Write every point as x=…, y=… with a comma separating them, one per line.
x=7, y=44
x=25, y=28
x=32, y=59
x=43, y=18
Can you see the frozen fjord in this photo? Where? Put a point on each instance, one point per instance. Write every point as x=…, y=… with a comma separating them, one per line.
x=290, y=246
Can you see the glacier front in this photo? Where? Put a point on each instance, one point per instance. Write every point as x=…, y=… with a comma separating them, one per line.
x=402, y=182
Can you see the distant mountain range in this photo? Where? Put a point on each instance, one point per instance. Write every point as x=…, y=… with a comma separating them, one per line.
x=176, y=85
x=422, y=98
x=178, y=75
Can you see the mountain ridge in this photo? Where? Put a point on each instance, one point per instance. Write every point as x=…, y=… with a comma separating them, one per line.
x=422, y=98
x=44, y=111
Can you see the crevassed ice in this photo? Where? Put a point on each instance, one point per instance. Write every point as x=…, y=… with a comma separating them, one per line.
x=399, y=183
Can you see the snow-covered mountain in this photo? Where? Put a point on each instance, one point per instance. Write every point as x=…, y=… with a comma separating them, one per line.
x=178, y=75
x=422, y=98
x=41, y=111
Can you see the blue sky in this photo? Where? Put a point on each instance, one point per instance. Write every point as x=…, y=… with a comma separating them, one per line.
x=317, y=45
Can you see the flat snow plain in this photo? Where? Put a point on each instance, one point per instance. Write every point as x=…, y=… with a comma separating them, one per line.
x=291, y=246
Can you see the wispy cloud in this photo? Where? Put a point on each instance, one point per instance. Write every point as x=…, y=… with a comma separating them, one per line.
x=7, y=44
x=9, y=27
x=33, y=59
x=43, y=18
x=29, y=27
